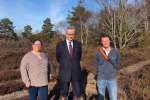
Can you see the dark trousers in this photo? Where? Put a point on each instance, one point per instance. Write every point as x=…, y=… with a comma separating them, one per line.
x=76, y=87
x=35, y=91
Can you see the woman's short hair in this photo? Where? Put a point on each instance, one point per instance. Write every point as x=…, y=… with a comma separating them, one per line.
x=37, y=40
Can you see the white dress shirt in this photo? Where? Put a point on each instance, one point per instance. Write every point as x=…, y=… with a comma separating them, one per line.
x=67, y=41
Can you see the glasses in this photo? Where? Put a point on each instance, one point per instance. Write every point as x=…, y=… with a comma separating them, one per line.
x=70, y=34
x=37, y=44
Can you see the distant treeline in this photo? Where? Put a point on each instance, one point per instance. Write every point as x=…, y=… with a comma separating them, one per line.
x=127, y=24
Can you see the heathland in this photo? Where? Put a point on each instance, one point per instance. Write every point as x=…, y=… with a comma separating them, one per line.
x=134, y=86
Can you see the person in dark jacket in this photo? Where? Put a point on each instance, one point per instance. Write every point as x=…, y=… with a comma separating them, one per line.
x=107, y=69
x=68, y=55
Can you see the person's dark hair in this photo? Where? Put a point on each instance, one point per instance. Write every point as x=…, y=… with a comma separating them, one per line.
x=37, y=40
x=104, y=35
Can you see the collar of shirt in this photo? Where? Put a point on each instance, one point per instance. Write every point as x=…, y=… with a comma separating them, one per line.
x=107, y=52
x=67, y=41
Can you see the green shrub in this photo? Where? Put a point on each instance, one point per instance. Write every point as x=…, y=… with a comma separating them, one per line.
x=148, y=89
x=144, y=42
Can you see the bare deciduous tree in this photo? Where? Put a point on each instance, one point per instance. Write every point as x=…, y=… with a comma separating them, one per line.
x=120, y=20
x=87, y=20
x=145, y=23
x=60, y=27
x=19, y=33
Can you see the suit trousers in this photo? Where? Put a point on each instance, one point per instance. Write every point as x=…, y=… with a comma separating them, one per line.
x=76, y=87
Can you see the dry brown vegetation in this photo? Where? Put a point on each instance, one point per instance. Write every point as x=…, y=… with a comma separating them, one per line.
x=136, y=85
x=12, y=53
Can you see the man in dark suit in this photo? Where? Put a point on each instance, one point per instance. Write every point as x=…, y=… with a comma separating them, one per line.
x=68, y=55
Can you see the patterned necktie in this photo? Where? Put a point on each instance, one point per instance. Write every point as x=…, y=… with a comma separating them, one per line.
x=70, y=48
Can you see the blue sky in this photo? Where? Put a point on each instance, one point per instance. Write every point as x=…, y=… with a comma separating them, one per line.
x=34, y=12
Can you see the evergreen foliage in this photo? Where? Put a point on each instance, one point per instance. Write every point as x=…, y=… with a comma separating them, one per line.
x=47, y=29
x=7, y=30
x=79, y=17
x=27, y=31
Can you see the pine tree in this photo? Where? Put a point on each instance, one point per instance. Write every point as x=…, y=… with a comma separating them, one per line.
x=47, y=29
x=27, y=31
x=6, y=29
x=78, y=18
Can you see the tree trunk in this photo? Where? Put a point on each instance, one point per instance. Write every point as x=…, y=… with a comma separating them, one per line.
x=62, y=37
x=81, y=33
x=87, y=32
x=146, y=26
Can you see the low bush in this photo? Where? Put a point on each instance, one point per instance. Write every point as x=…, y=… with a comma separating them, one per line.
x=7, y=75
x=11, y=86
x=144, y=42
x=12, y=53
x=136, y=85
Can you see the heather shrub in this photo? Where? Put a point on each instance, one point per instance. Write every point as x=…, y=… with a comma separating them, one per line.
x=136, y=85
x=7, y=75
x=11, y=86
x=12, y=53
x=144, y=42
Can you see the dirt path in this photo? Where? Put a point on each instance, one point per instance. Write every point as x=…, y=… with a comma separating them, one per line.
x=133, y=68
x=88, y=83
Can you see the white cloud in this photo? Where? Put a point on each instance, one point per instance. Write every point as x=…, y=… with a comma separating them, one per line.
x=2, y=12
x=32, y=12
x=57, y=9
x=21, y=13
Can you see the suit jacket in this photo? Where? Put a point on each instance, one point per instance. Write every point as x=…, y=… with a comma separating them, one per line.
x=68, y=64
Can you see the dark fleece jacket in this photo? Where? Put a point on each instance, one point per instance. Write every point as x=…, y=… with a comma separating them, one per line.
x=104, y=67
